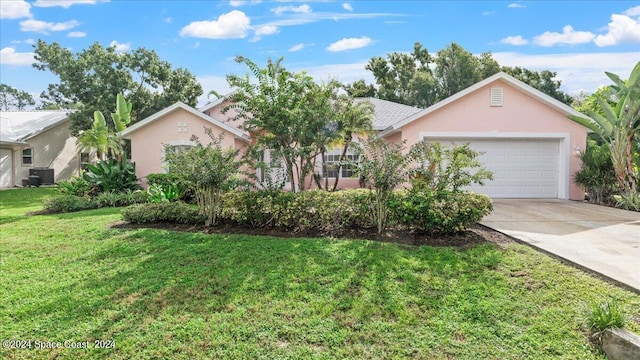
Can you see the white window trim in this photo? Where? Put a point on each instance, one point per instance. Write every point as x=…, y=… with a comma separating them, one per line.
x=336, y=152
x=22, y=157
x=173, y=143
x=564, y=146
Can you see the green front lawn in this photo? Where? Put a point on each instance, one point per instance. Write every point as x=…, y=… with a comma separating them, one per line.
x=161, y=294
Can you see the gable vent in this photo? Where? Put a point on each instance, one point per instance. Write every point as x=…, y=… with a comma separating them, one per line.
x=496, y=96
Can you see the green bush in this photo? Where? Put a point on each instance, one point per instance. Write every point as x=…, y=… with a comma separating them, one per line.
x=312, y=209
x=628, y=201
x=163, y=193
x=186, y=190
x=597, y=175
x=441, y=211
x=68, y=203
x=75, y=186
x=114, y=199
x=444, y=212
x=111, y=175
x=170, y=212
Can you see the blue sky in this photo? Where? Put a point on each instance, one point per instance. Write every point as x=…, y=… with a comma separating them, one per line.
x=578, y=40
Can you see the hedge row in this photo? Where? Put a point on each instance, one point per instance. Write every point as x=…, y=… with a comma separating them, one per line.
x=330, y=211
x=71, y=203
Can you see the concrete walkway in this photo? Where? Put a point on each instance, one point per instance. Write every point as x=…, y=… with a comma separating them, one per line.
x=598, y=238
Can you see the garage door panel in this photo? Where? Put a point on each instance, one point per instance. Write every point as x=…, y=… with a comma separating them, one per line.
x=522, y=168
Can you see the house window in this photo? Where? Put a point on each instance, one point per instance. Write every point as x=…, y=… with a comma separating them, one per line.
x=27, y=157
x=331, y=164
x=183, y=127
x=181, y=148
x=496, y=96
x=84, y=160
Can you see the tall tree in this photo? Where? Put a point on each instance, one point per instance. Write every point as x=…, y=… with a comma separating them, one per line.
x=288, y=113
x=405, y=77
x=544, y=81
x=90, y=80
x=360, y=89
x=457, y=69
x=12, y=98
x=420, y=79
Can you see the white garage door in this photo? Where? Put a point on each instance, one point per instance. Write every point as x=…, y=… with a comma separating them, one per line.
x=5, y=168
x=522, y=168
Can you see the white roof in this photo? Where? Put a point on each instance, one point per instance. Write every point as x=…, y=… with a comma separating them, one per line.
x=18, y=126
x=179, y=105
x=535, y=93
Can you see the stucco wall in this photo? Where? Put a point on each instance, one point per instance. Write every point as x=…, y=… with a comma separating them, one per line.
x=147, y=143
x=519, y=114
x=54, y=148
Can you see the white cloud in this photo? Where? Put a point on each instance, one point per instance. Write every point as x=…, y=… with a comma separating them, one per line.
x=568, y=36
x=30, y=41
x=296, y=47
x=9, y=56
x=120, y=48
x=345, y=73
x=14, y=9
x=350, y=44
x=515, y=40
x=487, y=13
x=261, y=31
x=237, y=3
x=302, y=9
x=44, y=27
x=515, y=5
x=634, y=11
x=77, y=34
x=347, y=7
x=232, y=25
x=65, y=3
x=168, y=20
x=621, y=29
x=577, y=71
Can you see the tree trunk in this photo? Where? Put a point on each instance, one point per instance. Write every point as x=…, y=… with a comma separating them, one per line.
x=629, y=153
x=342, y=156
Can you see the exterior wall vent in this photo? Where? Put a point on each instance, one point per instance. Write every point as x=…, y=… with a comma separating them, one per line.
x=496, y=96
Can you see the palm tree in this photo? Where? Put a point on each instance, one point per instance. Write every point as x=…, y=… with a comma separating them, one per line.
x=100, y=138
x=354, y=118
x=619, y=127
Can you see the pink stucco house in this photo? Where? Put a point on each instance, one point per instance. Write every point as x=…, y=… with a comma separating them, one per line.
x=525, y=136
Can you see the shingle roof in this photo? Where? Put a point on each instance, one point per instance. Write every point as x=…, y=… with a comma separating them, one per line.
x=387, y=113
x=17, y=126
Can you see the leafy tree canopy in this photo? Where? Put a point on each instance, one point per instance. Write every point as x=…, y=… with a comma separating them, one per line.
x=89, y=80
x=12, y=98
x=421, y=79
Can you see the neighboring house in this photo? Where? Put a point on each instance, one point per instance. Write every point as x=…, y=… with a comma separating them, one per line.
x=525, y=136
x=36, y=139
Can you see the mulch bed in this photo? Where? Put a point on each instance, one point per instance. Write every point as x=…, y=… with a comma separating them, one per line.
x=474, y=235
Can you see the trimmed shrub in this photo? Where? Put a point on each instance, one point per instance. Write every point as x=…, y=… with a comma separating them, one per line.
x=442, y=211
x=68, y=203
x=312, y=209
x=170, y=212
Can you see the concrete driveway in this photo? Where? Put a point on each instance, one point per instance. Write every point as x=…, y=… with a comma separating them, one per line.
x=599, y=238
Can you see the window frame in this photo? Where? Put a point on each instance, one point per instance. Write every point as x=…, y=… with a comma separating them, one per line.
x=30, y=157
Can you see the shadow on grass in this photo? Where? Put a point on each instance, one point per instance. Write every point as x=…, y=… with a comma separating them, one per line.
x=152, y=273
